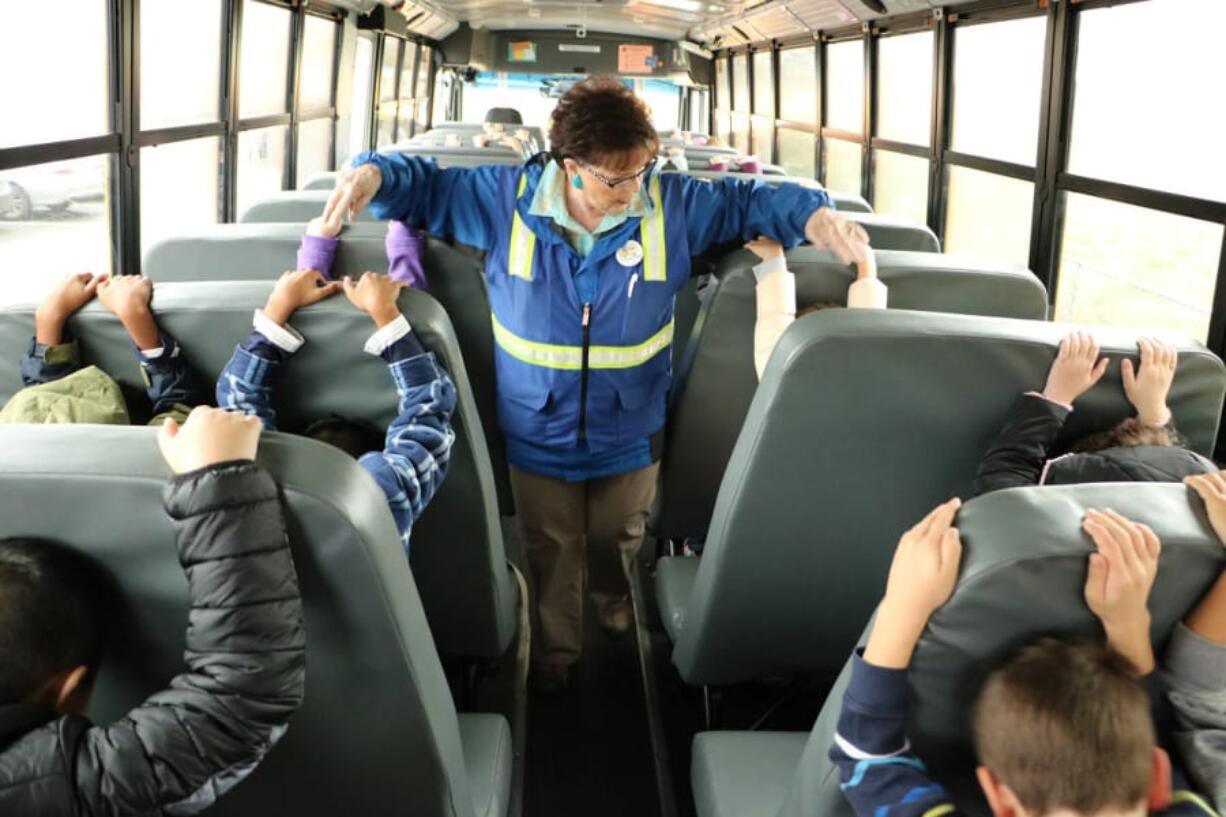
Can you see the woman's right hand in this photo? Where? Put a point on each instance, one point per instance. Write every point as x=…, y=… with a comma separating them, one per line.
x=355, y=187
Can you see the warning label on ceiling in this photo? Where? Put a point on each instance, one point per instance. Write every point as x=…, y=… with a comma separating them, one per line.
x=635, y=59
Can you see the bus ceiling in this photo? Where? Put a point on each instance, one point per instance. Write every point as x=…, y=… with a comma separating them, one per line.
x=711, y=24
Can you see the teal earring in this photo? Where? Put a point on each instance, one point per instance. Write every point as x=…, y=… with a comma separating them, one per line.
x=576, y=182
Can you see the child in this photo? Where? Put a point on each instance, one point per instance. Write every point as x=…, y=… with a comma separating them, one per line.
x=189, y=744
x=58, y=390
x=1196, y=664
x=414, y=458
x=404, y=245
x=1146, y=448
x=1061, y=729
x=776, y=294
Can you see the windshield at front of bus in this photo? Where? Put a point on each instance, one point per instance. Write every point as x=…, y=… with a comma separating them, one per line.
x=535, y=95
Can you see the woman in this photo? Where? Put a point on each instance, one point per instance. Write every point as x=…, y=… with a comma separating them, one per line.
x=585, y=251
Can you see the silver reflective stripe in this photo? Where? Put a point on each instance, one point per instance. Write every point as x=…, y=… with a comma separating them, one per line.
x=523, y=242
x=655, y=261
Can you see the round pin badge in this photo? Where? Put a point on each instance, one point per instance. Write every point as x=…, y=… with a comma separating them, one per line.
x=630, y=253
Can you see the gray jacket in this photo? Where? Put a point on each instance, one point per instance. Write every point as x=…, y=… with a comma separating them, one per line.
x=1195, y=675
x=186, y=746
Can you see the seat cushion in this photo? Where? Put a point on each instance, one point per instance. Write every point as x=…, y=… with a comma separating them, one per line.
x=674, y=581
x=744, y=774
x=487, y=756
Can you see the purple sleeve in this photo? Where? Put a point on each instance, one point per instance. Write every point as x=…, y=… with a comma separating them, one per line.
x=404, y=250
x=317, y=253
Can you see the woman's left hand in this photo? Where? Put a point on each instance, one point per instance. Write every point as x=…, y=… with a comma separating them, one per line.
x=846, y=239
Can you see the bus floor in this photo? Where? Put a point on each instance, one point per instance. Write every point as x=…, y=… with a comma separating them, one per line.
x=590, y=751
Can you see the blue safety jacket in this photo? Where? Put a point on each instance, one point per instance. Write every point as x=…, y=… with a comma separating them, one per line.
x=569, y=371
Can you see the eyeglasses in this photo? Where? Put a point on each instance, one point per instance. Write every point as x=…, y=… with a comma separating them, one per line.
x=612, y=183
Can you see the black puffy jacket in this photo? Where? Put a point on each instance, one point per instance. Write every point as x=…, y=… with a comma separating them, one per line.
x=1020, y=454
x=184, y=747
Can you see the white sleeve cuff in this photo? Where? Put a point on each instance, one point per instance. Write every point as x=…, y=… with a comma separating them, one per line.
x=285, y=338
x=385, y=337
x=768, y=266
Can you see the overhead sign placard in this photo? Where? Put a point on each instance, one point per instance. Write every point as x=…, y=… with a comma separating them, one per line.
x=635, y=59
x=579, y=49
x=521, y=52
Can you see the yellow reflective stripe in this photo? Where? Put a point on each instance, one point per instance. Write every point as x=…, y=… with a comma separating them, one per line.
x=937, y=811
x=553, y=356
x=1183, y=796
x=626, y=357
x=655, y=261
x=538, y=354
x=523, y=242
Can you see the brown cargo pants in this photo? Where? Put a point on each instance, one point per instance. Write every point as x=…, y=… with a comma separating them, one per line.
x=572, y=529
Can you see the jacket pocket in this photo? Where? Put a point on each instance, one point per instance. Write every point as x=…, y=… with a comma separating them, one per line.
x=524, y=412
x=641, y=406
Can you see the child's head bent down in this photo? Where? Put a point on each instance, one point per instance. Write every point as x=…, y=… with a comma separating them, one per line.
x=1065, y=728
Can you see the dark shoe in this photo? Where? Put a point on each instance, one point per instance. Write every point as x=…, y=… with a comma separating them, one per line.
x=550, y=680
x=616, y=617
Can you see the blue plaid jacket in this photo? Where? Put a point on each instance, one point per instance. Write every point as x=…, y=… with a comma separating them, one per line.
x=417, y=450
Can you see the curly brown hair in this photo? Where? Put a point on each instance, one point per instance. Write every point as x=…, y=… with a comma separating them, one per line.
x=1130, y=432
x=600, y=120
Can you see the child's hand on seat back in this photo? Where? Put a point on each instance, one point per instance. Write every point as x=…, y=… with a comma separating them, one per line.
x=1075, y=370
x=1212, y=489
x=61, y=303
x=1147, y=387
x=375, y=295
x=209, y=436
x=1121, y=574
x=922, y=578
x=295, y=289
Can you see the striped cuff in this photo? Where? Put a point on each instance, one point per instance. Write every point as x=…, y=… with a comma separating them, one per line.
x=285, y=338
x=388, y=335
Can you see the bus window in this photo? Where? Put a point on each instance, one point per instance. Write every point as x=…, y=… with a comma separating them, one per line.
x=903, y=114
x=1124, y=109
x=842, y=166
x=798, y=85
x=404, y=108
x=798, y=103
x=533, y=95
x=1122, y=263
x=762, y=138
x=179, y=76
x=900, y=185
x=315, y=97
x=740, y=102
x=54, y=215
x=318, y=58
x=844, y=89
x=723, y=100
x=1129, y=266
x=699, y=111
x=53, y=221
x=363, y=88
x=998, y=80
x=988, y=215
x=65, y=65
x=264, y=60
x=261, y=164
x=178, y=188
x=664, y=99
x=423, y=88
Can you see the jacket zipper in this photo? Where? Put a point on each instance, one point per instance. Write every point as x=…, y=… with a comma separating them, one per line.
x=587, y=338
